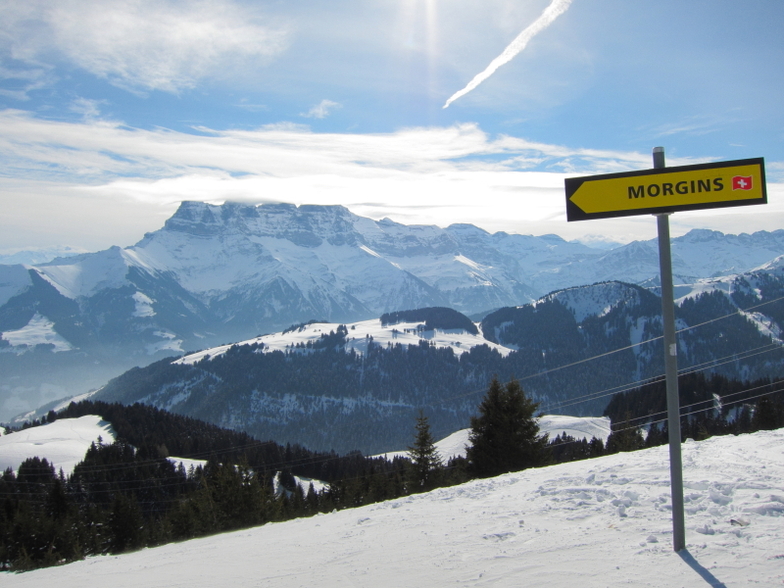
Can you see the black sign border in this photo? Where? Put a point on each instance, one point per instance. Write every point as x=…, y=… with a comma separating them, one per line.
x=575, y=213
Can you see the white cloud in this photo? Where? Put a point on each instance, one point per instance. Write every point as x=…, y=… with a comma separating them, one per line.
x=89, y=109
x=96, y=151
x=322, y=109
x=27, y=80
x=103, y=181
x=142, y=45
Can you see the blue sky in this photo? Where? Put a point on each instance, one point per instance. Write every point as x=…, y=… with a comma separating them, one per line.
x=112, y=113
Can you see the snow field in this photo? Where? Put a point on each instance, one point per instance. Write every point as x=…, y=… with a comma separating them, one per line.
x=358, y=337
x=39, y=330
x=63, y=443
x=596, y=523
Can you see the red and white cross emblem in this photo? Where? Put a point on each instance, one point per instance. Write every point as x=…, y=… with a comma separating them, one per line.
x=741, y=183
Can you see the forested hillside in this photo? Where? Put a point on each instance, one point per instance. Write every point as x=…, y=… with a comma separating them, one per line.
x=709, y=405
x=571, y=351
x=326, y=399
x=125, y=495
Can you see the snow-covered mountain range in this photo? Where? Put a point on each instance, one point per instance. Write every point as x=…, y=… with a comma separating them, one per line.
x=217, y=274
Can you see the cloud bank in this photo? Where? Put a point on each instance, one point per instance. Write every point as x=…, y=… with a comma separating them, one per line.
x=94, y=151
x=98, y=183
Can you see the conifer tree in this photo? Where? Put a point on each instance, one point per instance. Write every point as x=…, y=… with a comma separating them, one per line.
x=125, y=524
x=595, y=447
x=505, y=436
x=768, y=415
x=624, y=437
x=425, y=460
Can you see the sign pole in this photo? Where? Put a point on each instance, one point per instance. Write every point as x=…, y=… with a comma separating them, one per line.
x=661, y=191
x=671, y=370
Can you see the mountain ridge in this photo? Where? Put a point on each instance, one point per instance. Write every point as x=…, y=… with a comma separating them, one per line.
x=220, y=273
x=346, y=386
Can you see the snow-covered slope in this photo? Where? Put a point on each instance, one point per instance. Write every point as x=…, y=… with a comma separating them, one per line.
x=63, y=443
x=359, y=335
x=578, y=427
x=596, y=523
x=597, y=300
x=38, y=331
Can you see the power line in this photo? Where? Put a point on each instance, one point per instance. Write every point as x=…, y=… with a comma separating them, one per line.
x=310, y=461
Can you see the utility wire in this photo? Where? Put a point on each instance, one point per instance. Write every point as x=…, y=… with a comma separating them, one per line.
x=310, y=461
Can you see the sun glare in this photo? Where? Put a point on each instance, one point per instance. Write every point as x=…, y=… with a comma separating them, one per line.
x=419, y=30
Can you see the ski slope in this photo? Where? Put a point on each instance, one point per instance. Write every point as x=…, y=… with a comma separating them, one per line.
x=596, y=523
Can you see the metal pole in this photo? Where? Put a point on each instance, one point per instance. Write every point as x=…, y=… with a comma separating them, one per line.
x=671, y=370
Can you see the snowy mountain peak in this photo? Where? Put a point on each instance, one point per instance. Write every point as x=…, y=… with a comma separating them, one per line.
x=775, y=265
x=88, y=273
x=701, y=235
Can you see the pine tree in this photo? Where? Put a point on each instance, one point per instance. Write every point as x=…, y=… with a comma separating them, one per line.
x=125, y=524
x=505, y=436
x=624, y=437
x=425, y=461
x=595, y=447
x=768, y=415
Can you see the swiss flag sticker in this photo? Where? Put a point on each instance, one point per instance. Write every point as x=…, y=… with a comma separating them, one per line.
x=741, y=183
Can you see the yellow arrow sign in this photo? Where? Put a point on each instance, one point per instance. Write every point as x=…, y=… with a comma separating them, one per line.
x=710, y=185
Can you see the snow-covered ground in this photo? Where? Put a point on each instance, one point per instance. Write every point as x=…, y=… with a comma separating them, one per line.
x=596, y=523
x=39, y=330
x=578, y=427
x=63, y=443
x=360, y=334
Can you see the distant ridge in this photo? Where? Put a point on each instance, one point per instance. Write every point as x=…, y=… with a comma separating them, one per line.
x=347, y=386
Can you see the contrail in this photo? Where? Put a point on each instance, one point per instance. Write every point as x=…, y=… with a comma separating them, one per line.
x=556, y=9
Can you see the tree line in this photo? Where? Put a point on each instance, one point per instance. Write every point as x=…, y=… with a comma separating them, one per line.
x=126, y=495
x=710, y=404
